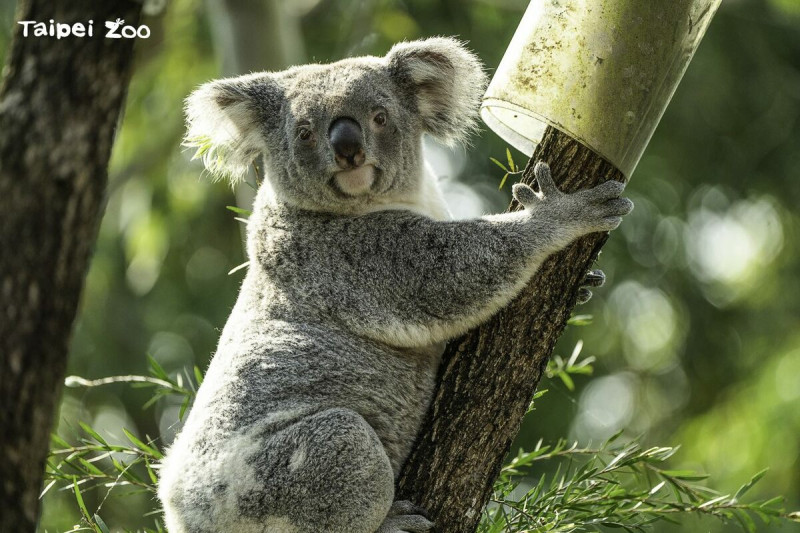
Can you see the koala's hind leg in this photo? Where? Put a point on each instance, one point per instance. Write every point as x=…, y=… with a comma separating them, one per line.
x=328, y=472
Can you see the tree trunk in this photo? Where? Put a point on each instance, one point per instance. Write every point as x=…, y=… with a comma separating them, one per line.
x=488, y=377
x=59, y=106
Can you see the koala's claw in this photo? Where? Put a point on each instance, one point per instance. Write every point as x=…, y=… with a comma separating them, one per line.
x=584, y=295
x=405, y=517
x=594, y=278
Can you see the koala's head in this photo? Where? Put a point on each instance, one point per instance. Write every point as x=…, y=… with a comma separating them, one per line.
x=340, y=136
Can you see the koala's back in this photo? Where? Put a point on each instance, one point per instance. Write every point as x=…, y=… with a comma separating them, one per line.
x=275, y=368
x=284, y=371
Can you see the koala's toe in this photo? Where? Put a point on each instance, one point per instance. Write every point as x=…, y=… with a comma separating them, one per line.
x=406, y=524
x=618, y=206
x=405, y=507
x=609, y=189
x=584, y=295
x=594, y=278
x=524, y=194
x=544, y=179
x=610, y=223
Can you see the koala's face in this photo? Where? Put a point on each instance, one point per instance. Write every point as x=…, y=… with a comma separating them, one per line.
x=347, y=137
x=342, y=136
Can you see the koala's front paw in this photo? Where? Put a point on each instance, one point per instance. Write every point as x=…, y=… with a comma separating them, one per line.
x=597, y=209
x=405, y=517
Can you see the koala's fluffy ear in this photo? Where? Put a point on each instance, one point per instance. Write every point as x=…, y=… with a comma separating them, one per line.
x=447, y=81
x=225, y=122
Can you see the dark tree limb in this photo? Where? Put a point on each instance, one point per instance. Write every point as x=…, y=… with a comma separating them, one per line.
x=59, y=106
x=488, y=377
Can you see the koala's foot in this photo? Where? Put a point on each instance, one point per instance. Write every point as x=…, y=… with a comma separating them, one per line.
x=600, y=208
x=594, y=278
x=405, y=517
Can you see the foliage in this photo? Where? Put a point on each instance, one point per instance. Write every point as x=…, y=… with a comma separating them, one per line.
x=511, y=169
x=94, y=464
x=618, y=485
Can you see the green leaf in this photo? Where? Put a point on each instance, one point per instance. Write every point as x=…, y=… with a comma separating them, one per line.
x=58, y=441
x=503, y=181
x=156, y=396
x=100, y=524
x=749, y=485
x=745, y=521
x=184, y=406
x=92, y=433
x=142, y=446
x=511, y=164
x=198, y=375
x=79, y=499
x=151, y=473
x=582, y=369
x=772, y=501
x=238, y=210
x=156, y=370
x=499, y=164
x=568, y=382
x=580, y=320
x=686, y=475
x=90, y=468
x=613, y=438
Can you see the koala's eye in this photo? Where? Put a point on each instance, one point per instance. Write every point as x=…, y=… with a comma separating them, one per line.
x=380, y=119
x=305, y=134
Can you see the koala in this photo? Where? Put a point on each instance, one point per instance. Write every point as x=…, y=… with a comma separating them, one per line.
x=357, y=277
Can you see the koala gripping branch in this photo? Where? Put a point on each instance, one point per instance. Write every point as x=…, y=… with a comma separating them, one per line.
x=488, y=376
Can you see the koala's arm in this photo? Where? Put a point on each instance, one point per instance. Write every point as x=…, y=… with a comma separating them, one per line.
x=410, y=281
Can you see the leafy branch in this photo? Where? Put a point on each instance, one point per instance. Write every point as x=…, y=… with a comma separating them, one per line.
x=94, y=463
x=617, y=485
x=511, y=169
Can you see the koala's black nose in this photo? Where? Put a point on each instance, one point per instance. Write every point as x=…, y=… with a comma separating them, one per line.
x=347, y=143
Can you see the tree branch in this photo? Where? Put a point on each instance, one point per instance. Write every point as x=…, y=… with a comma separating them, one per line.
x=487, y=378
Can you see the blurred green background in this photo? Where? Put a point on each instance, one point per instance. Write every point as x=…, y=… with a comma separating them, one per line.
x=697, y=333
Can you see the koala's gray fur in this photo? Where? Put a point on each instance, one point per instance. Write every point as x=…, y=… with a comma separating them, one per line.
x=328, y=361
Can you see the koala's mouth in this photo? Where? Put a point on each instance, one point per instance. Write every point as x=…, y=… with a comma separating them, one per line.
x=355, y=182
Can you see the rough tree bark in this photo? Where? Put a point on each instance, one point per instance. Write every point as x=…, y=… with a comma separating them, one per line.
x=488, y=377
x=59, y=106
